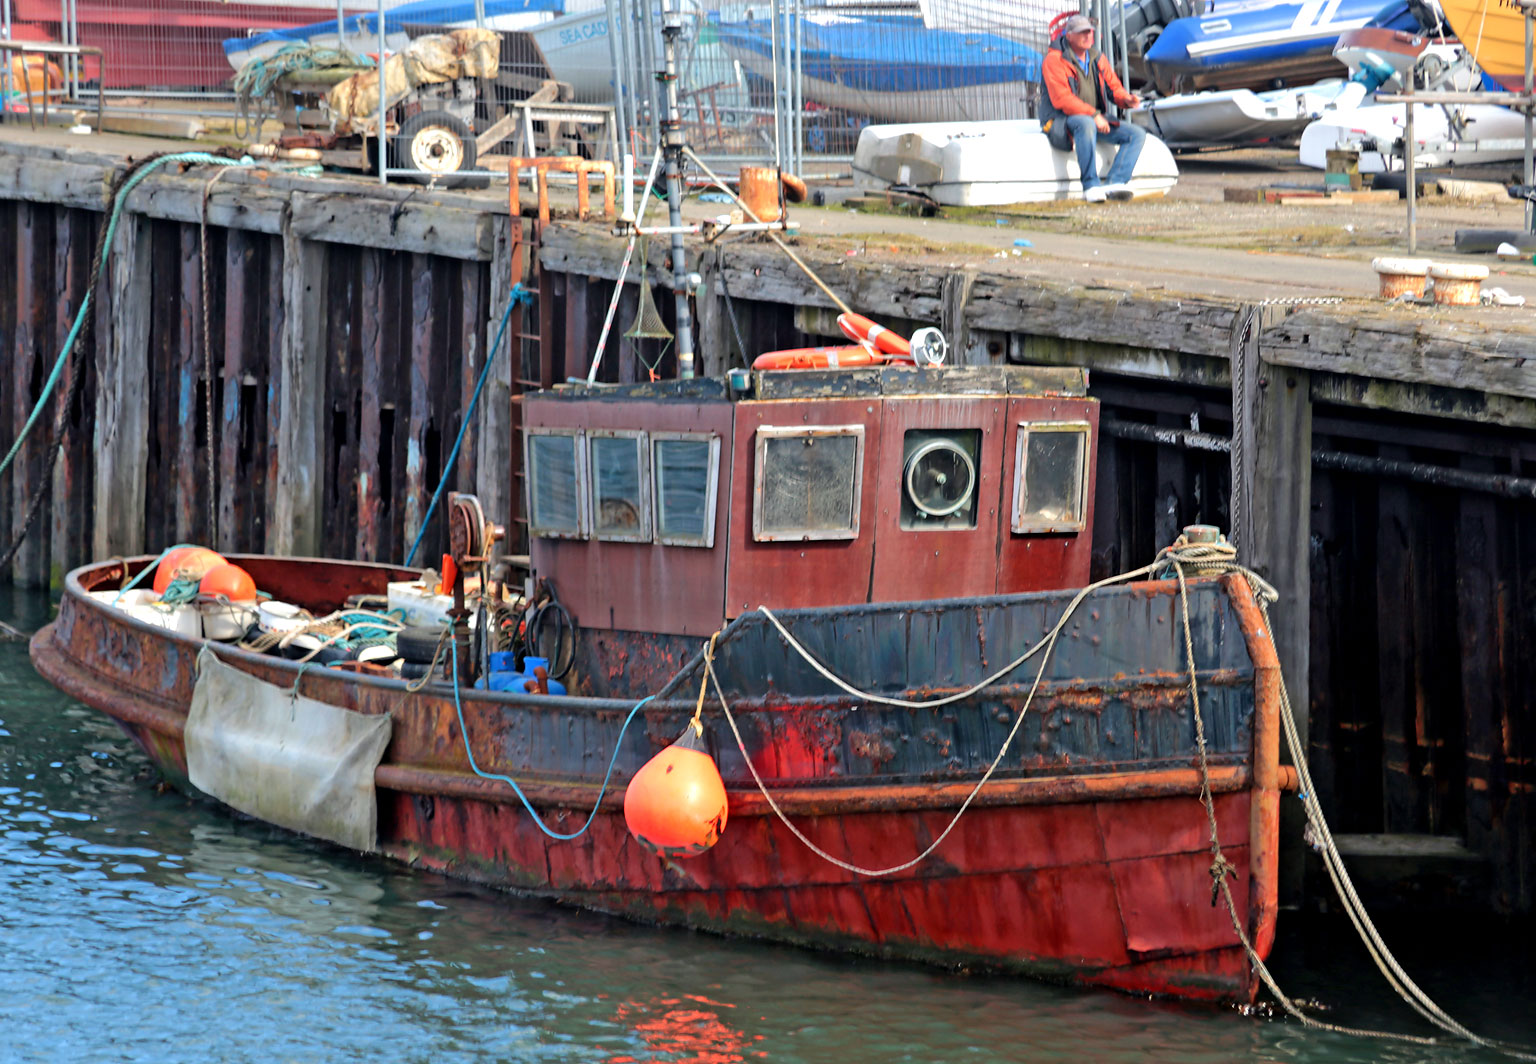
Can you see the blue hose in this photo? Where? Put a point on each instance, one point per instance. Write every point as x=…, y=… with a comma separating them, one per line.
x=85, y=303
x=509, y=781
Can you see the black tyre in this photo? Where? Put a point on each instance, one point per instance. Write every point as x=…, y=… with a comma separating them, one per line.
x=418, y=643
x=437, y=146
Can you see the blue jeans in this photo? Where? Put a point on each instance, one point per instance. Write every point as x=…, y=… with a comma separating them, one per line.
x=1078, y=131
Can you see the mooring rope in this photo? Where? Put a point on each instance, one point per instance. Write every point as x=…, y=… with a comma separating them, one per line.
x=1204, y=559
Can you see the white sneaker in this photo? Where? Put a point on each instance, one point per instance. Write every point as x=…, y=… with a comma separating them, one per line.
x=1096, y=194
x=1119, y=193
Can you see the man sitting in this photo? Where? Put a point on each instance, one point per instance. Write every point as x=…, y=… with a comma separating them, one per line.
x=1078, y=85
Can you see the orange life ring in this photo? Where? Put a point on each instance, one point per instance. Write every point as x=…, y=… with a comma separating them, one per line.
x=858, y=327
x=818, y=358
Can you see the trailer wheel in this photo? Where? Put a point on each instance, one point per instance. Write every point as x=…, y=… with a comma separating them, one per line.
x=437, y=146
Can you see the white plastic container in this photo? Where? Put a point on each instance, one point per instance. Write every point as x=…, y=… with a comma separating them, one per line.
x=419, y=603
x=274, y=616
x=143, y=604
x=225, y=621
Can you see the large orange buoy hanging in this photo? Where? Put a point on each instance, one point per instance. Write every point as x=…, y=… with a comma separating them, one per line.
x=858, y=327
x=229, y=580
x=185, y=563
x=675, y=805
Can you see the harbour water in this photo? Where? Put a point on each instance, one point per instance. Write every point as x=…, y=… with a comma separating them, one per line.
x=139, y=925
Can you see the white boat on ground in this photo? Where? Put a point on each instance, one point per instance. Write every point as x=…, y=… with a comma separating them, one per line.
x=977, y=164
x=1469, y=135
x=1235, y=117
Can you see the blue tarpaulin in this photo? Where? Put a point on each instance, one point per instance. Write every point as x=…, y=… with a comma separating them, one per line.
x=421, y=13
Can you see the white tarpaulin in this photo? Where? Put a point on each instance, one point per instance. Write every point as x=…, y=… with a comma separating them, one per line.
x=438, y=57
x=289, y=760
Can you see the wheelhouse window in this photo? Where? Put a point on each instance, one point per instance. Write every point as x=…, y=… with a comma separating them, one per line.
x=1050, y=480
x=620, y=503
x=685, y=469
x=556, y=484
x=808, y=483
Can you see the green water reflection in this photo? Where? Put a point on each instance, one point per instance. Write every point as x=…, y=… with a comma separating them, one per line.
x=140, y=926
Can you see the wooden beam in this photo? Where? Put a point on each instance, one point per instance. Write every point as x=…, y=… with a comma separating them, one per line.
x=365, y=486
x=493, y=483
x=122, y=374
x=31, y=355
x=298, y=497
x=239, y=256
x=1272, y=491
x=71, y=474
x=418, y=490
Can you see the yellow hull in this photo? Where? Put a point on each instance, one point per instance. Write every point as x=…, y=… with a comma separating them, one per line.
x=1493, y=31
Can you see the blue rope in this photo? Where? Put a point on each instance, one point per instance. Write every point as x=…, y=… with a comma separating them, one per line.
x=85, y=303
x=518, y=296
x=464, y=731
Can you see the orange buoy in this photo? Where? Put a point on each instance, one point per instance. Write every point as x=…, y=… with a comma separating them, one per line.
x=229, y=580
x=675, y=806
x=185, y=563
x=818, y=357
x=858, y=327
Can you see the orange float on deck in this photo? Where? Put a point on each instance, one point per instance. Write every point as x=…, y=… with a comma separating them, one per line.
x=230, y=581
x=185, y=563
x=675, y=805
x=858, y=327
x=818, y=357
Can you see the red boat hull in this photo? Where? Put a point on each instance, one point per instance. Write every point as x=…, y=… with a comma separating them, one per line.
x=1097, y=878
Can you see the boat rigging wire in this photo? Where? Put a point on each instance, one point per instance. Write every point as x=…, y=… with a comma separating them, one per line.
x=618, y=286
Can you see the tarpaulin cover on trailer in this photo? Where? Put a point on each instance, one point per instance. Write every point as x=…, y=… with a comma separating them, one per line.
x=427, y=60
x=284, y=758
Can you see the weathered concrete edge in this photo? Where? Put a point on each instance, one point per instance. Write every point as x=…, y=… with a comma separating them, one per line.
x=337, y=210
x=1441, y=348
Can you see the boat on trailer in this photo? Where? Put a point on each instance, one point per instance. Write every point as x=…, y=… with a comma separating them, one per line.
x=911, y=532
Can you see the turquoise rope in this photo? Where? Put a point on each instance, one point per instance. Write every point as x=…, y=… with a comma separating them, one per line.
x=518, y=296
x=151, y=567
x=464, y=731
x=69, y=341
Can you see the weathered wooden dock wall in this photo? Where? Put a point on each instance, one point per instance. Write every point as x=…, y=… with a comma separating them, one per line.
x=1378, y=464
x=1386, y=468
x=342, y=326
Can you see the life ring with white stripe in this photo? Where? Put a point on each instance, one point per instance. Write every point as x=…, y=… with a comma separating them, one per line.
x=818, y=358
x=858, y=327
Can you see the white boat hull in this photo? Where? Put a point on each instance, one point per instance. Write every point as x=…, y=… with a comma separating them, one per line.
x=976, y=103
x=980, y=164
x=1494, y=134
x=1242, y=116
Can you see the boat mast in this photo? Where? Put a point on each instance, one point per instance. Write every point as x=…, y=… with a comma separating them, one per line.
x=671, y=128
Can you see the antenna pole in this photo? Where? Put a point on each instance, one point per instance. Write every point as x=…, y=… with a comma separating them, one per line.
x=671, y=126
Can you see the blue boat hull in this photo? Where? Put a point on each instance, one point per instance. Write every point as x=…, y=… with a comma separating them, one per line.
x=1287, y=44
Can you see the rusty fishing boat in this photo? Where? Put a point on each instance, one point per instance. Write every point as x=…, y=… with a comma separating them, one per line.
x=865, y=585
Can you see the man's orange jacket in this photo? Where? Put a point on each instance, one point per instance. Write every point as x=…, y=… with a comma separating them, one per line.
x=1061, y=77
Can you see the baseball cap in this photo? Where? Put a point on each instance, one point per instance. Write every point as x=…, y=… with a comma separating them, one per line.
x=1077, y=24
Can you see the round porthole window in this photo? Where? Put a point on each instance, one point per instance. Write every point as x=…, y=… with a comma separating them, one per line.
x=940, y=478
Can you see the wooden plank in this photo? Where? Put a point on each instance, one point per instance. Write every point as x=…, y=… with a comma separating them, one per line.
x=419, y=228
x=578, y=351
x=467, y=314
x=1276, y=538
x=713, y=329
x=372, y=356
x=239, y=255
x=417, y=492
x=495, y=483
x=70, y=531
x=190, y=501
x=1397, y=568
x=297, y=502
x=122, y=371
x=1483, y=611
x=164, y=349
x=266, y=463
x=30, y=362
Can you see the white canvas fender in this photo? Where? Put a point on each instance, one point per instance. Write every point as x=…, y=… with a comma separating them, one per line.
x=283, y=758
